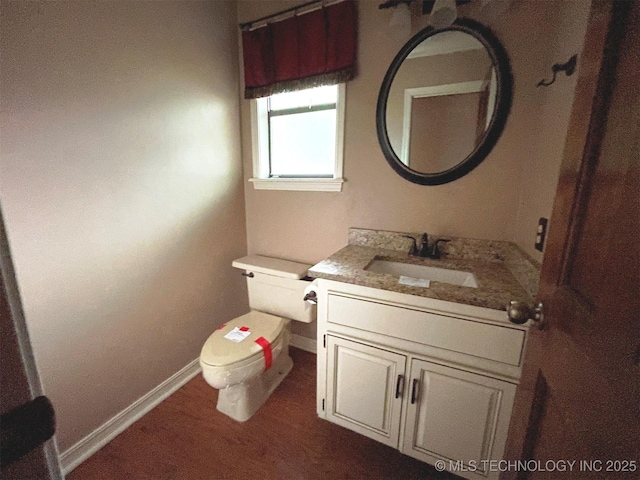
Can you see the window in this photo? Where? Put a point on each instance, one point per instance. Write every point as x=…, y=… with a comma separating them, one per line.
x=297, y=140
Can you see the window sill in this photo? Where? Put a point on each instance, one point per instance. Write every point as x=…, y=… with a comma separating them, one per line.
x=299, y=184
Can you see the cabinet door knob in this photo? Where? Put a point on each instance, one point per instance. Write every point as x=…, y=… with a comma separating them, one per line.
x=399, y=386
x=415, y=390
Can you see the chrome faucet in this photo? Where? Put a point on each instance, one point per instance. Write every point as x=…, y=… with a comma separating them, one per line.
x=424, y=250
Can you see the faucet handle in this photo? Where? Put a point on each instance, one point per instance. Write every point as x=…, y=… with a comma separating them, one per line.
x=414, y=246
x=435, y=252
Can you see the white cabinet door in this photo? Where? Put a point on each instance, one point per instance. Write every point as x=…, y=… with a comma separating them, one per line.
x=365, y=389
x=457, y=416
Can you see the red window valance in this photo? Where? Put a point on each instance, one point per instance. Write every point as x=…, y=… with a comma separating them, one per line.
x=303, y=51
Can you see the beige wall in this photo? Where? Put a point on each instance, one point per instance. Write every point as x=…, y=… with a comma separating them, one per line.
x=121, y=186
x=495, y=201
x=544, y=140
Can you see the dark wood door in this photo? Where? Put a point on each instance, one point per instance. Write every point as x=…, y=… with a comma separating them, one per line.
x=579, y=399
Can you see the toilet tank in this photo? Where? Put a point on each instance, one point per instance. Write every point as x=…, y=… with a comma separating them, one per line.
x=276, y=287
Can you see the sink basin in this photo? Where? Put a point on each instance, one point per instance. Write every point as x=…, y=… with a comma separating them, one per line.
x=423, y=272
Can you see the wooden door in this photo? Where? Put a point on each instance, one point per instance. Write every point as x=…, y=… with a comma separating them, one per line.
x=364, y=389
x=579, y=400
x=456, y=416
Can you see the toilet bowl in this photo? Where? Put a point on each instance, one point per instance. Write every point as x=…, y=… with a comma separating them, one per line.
x=247, y=357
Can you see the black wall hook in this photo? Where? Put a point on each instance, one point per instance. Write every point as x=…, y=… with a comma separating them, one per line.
x=568, y=68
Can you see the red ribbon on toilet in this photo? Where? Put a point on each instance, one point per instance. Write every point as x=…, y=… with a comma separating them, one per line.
x=266, y=349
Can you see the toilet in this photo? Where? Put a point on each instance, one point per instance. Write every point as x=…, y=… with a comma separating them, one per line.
x=247, y=357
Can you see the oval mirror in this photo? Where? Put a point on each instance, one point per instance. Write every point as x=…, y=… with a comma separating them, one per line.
x=444, y=102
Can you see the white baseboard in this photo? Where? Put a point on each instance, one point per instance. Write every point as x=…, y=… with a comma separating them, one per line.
x=102, y=435
x=304, y=343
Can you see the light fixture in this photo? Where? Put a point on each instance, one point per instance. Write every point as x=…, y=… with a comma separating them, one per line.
x=443, y=13
x=401, y=20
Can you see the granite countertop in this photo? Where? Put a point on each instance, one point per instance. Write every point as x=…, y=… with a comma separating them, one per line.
x=494, y=264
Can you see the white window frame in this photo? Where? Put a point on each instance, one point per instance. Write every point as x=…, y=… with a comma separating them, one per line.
x=260, y=152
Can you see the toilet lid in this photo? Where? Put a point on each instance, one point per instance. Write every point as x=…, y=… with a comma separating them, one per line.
x=218, y=350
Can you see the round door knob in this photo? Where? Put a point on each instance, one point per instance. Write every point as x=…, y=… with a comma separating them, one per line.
x=519, y=312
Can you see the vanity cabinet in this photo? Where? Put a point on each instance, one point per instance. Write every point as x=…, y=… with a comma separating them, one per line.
x=433, y=379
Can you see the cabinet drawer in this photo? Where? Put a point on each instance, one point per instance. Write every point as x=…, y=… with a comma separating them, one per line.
x=492, y=342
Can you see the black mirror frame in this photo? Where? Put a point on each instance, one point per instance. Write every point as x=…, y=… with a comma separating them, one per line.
x=504, y=93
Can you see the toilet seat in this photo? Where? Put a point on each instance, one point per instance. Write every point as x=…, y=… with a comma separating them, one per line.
x=225, y=362
x=219, y=351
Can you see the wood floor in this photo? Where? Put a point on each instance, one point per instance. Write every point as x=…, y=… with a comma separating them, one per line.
x=185, y=437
